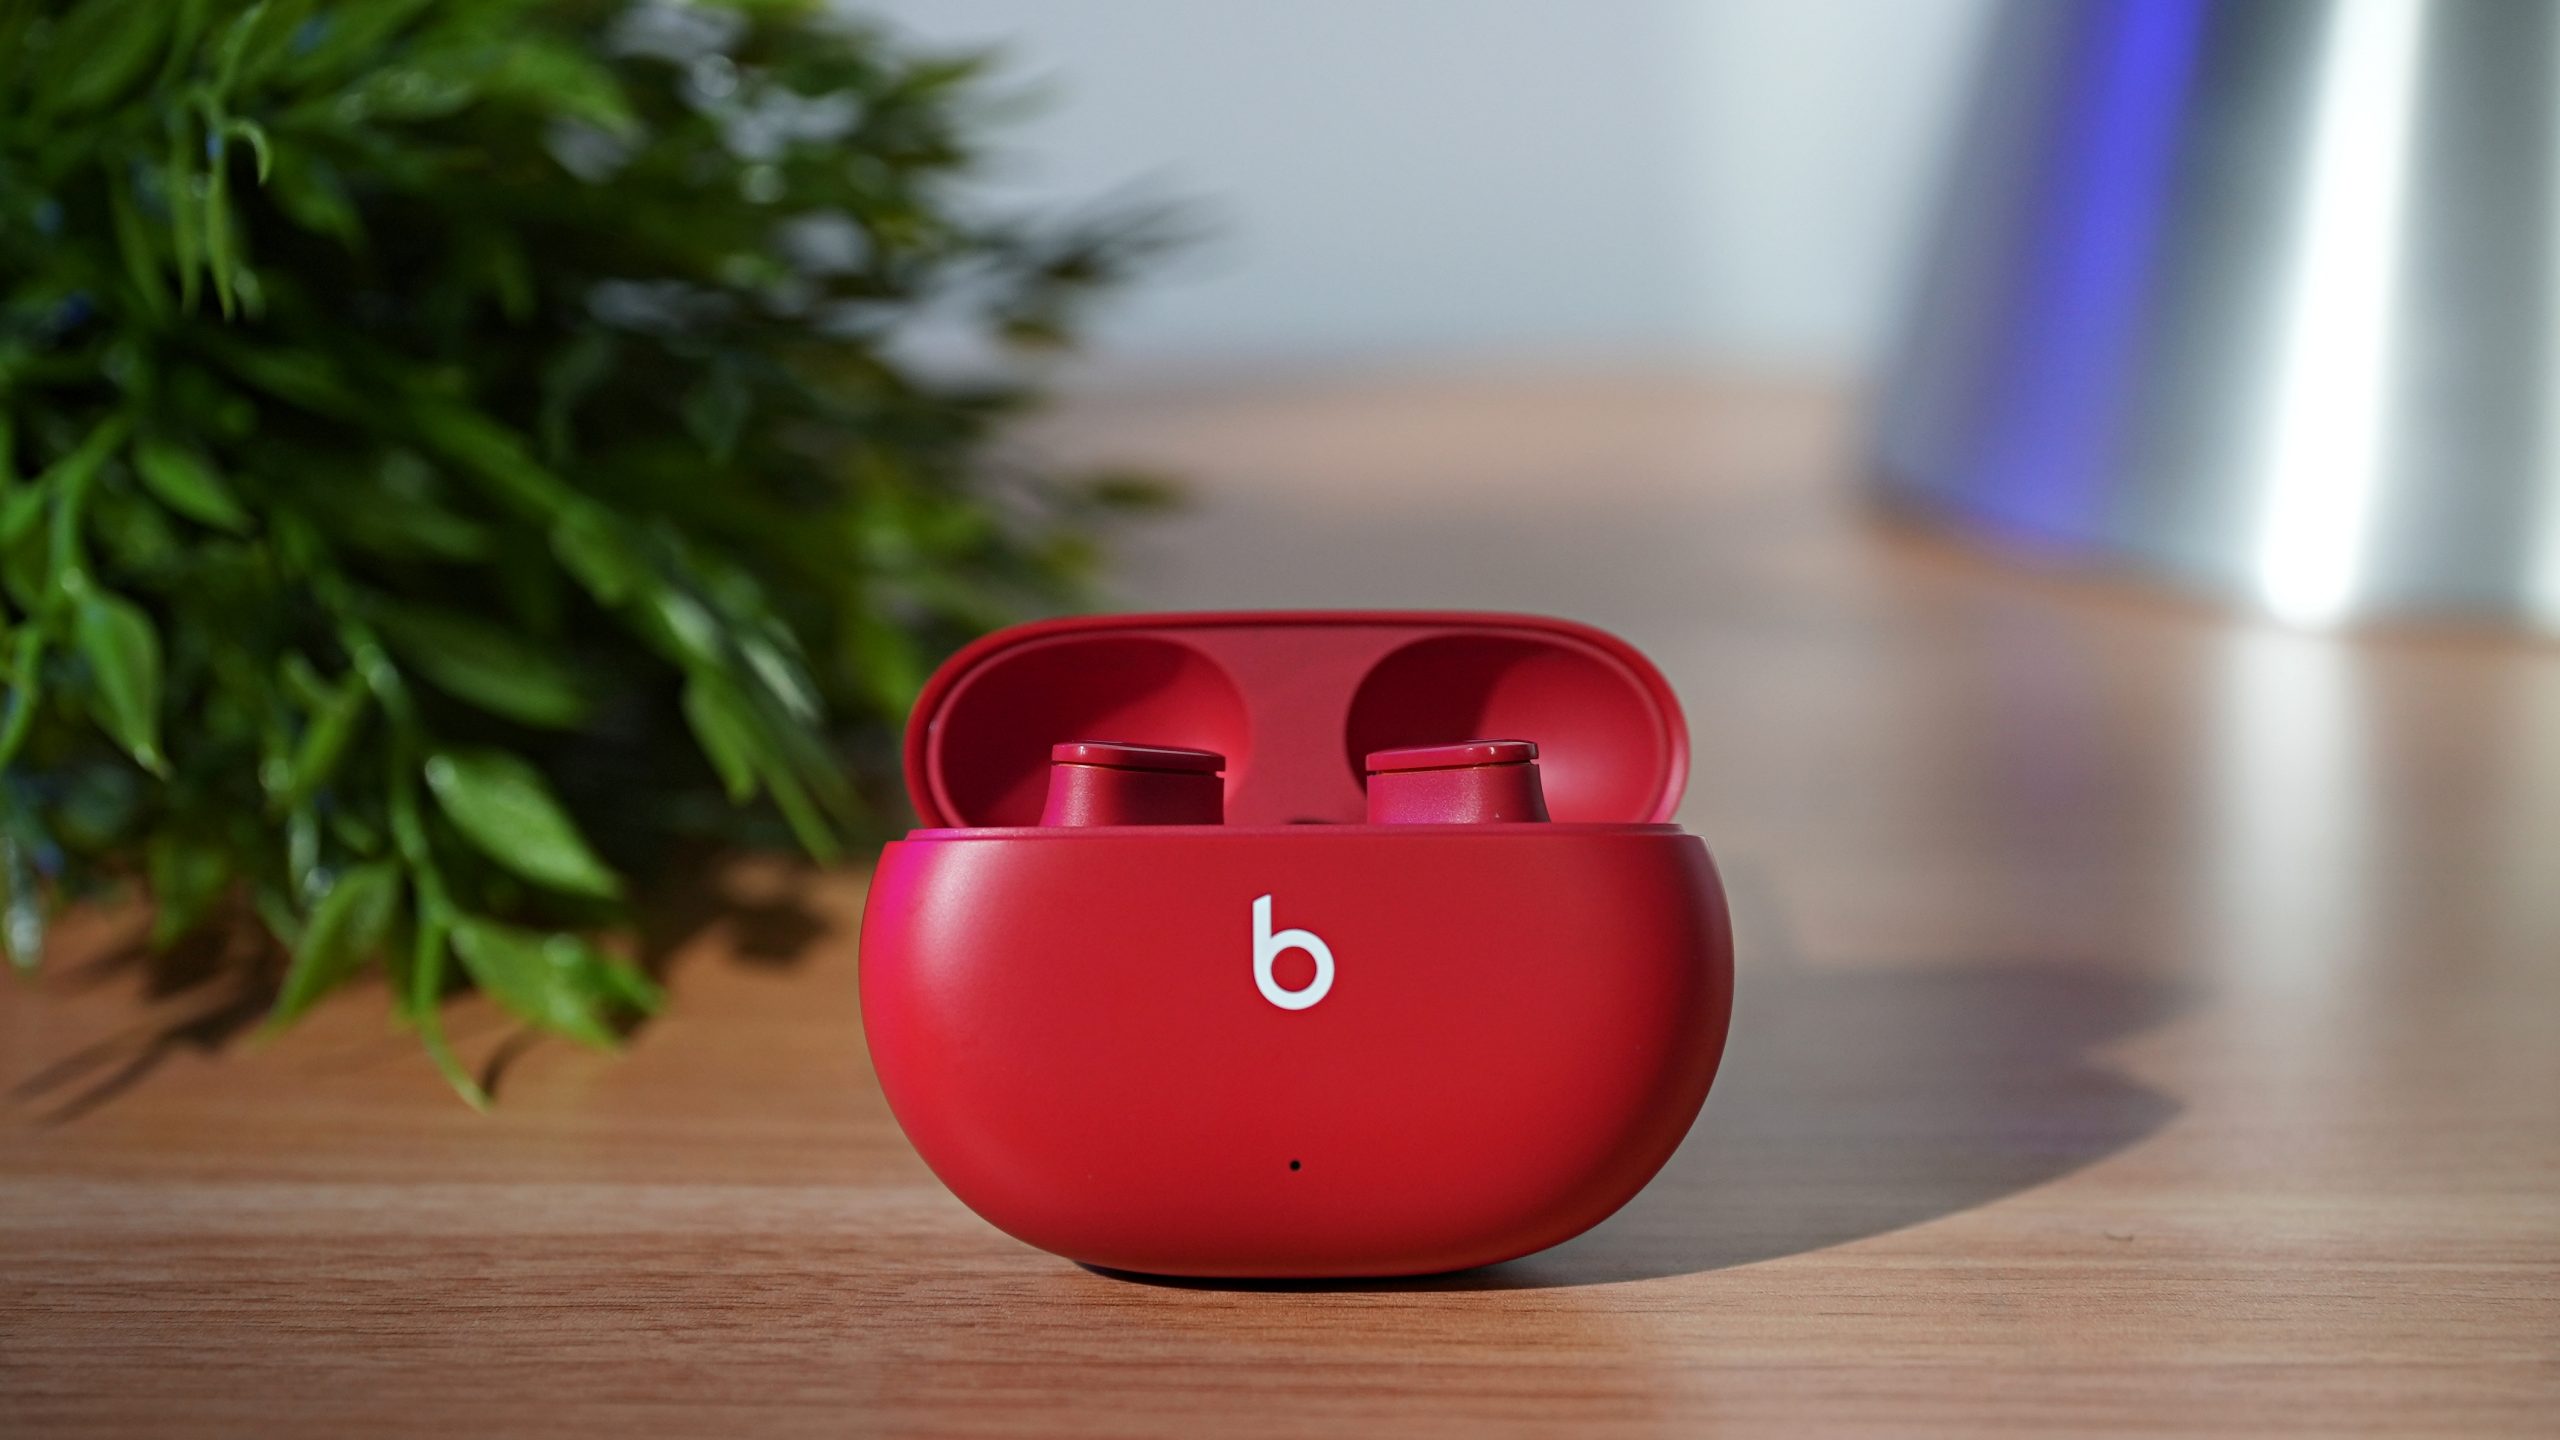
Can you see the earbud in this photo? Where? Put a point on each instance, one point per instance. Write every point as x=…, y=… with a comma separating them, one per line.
x=1110, y=782
x=1474, y=782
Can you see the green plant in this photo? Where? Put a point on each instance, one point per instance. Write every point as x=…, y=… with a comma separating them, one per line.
x=452, y=452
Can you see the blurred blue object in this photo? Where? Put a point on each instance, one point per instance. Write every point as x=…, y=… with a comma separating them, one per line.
x=2259, y=295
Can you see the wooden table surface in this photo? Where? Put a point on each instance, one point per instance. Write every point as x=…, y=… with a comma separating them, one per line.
x=2145, y=1021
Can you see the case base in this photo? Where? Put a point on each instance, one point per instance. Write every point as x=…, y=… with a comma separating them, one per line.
x=1103, y=1041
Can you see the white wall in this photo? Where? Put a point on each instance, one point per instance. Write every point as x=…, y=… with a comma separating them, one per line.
x=1425, y=179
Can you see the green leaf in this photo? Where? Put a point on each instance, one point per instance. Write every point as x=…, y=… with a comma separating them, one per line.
x=493, y=452
x=403, y=514
x=185, y=483
x=123, y=652
x=886, y=661
x=26, y=569
x=302, y=682
x=354, y=39
x=234, y=45
x=221, y=241
x=311, y=194
x=186, y=207
x=26, y=691
x=726, y=729
x=346, y=927
x=324, y=741
x=715, y=411
x=498, y=672
x=783, y=677
x=592, y=550
x=618, y=982
x=69, y=479
x=685, y=628
x=304, y=378
x=22, y=921
x=18, y=513
x=568, y=378
x=302, y=853
x=133, y=242
x=109, y=43
x=254, y=135
x=426, y=990
x=186, y=27
x=187, y=876
x=503, y=806
x=441, y=85
x=565, y=81
x=808, y=826
x=541, y=979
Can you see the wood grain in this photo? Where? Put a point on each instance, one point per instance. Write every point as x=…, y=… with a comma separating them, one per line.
x=2146, y=1022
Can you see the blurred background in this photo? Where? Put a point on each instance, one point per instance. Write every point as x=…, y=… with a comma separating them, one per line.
x=2251, y=297
x=1415, y=183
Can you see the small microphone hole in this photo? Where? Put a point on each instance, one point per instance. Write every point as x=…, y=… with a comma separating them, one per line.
x=1293, y=1164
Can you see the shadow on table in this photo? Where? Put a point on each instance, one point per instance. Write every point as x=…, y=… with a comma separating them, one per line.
x=1853, y=1103
x=213, y=987
x=198, y=995
x=1856, y=1102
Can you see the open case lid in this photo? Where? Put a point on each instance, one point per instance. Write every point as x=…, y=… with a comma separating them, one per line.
x=1295, y=701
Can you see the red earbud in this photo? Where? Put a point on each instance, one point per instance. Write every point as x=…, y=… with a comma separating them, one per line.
x=1474, y=782
x=1109, y=782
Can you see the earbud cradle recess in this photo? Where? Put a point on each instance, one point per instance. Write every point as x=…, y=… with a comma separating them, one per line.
x=1227, y=949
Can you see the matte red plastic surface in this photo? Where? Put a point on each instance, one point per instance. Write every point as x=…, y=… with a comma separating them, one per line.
x=1127, y=755
x=1522, y=1023
x=1296, y=701
x=1463, y=754
x=1476, y=783
x=1109, y=782
x=1281, y=1048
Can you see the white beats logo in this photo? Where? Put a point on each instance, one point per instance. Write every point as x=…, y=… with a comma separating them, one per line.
x=1268, y=947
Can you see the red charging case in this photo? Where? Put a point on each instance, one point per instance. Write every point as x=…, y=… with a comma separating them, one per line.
x=1101, y=1037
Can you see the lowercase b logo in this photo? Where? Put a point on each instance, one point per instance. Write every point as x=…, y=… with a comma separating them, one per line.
x=1268, y=947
